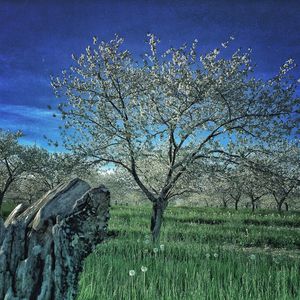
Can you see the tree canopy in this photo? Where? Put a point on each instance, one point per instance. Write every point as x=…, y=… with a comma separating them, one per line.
x=177, y=108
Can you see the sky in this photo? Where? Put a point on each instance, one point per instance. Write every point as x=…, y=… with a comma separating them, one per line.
x=37, y=39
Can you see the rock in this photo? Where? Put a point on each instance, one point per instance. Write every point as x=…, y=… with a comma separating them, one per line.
x=42, y=247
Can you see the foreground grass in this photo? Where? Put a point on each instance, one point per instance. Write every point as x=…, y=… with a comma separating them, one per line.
x=206, y=254
x=6, y=209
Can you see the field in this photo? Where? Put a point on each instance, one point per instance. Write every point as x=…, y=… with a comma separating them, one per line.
x=6, y=208
x=204, y=253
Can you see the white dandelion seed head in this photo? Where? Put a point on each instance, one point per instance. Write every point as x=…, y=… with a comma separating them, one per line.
x=162, y=247
x=252, y=257
x=131, y=273
x=155, y=250
x=207, y=255
x=216, y=255
x=144, y=269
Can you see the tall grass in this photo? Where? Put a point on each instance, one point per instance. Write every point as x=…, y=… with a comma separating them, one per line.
x=207, y=254
x=6, y=209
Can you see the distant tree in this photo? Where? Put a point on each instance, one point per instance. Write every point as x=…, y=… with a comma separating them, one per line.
x=279, y=170
x=236, y=192
x=234, y=180
x=27, y=189
x=56, y=168
x=52, y=169
x=254, y=187
x=11, y=162
x=185, y=105
x=30, y=171
x=15, y=161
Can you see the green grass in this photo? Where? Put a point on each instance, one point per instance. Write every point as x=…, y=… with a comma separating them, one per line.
x=209, y=254
x=6, y=209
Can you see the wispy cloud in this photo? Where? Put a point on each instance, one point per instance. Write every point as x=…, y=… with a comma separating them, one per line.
x=25, y=111
x=34, y=122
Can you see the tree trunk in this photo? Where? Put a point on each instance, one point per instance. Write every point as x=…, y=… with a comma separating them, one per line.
x=236, y=203
x=279, y=206
x=158, y=209
x=1, y=201
x=286, y=206
x=42, y=247
x=253, y=206
x=224, y=202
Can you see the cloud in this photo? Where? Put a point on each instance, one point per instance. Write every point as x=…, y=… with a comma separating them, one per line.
x=34, y=122
x=25, y=111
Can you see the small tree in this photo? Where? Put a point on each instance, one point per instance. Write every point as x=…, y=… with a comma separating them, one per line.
x=28, y=189
x=56, y=168
x=279, y=170
x=12, y=163
x=235, y=182
x=254, y=188
x=51, y=170
x=179, y=105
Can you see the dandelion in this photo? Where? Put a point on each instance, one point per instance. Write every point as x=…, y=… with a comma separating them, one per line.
x=207, y=255
x=162, y=247
x=155, y=250
x=147, y=241
x=216, y=255
x=144, y=269
x=132, y=274
x=252, y=257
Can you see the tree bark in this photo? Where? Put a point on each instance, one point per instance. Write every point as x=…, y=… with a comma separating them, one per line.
x=286, y=206
x=253, y=206
x=279, y=206
x=1, y=201
x=158, y=209
x=236, y=203
x=42, y=247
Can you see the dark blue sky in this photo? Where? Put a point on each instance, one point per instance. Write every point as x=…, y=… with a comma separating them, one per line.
x=38, y=37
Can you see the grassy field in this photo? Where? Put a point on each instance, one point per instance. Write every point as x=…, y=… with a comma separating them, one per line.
x=203, y=254
x=6, y=208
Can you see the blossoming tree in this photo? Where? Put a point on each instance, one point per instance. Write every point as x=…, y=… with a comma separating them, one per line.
x=11, y=167
x=176, y=107
x=278, y=169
